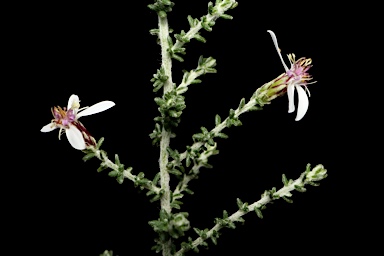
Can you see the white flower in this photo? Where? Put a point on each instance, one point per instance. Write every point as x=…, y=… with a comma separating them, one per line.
x=67, y=119
x=298, y=77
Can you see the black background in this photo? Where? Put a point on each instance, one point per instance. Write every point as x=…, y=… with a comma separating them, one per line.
x=105, y=52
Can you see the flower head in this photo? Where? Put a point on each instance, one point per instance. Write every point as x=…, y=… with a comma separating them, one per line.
x=67, y=120
x=295, y=77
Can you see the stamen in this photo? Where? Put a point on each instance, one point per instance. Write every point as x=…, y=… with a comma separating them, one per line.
x=82, y=108
x=306, y=88
x=60, y=132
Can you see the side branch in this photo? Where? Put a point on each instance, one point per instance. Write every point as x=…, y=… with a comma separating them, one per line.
x=262, y=96
x=214, y=12
x=308, y=177
x=118, y=170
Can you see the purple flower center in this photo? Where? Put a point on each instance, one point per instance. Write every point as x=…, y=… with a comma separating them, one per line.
x=298, y=72
x=63, y=117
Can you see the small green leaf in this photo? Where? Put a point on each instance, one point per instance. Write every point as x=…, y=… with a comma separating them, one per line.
x=229, y=122
x=199, y=38
x=178, y=195
x=155, y=198
x=120, y=178
x=175, y=172
x=196, y=81
x=232, y=225
x=221, y=135
x=198, y=136
x=285, y=180
x=181, y=90
x=242, y=103
x=232, y=113
x=88, y=156
x=173, y=113
x=170, y=43
x=100, y=142
x=181, y=50
x=206, y=26
x=208, y=166
x=300, y=189
x=158, y=87
x=177, y=57
x=162, y=14
x=190, y=21
x=255, y=108
x=240, y=219
x=117, y=160
x=167, y=2
x=313, y=184
x=210, y=7
x=217, y=120
x=226, y=16
x=159, y=101
x=113, y=173
x=102, y=167
x=239, y=203
x=237, y=122
x=187, y=190
x=176, y=206
x=154, y=31
x=287, y=199
x=308, y=168
x=152, y=7
x=258, y=212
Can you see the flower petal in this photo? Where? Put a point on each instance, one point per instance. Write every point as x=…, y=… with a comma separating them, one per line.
x=49, y=127
x=291, y=97
x=98, y=107
x=303, y=103
x=75, y=137
x=274, y=39
x=73, y=103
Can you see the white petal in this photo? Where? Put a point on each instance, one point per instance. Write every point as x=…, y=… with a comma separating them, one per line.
x=98, y=107
x=303, y=103
x=75, y=137
x=73, y=102
x=49, y=127
x=274, y=39
x=291, y=97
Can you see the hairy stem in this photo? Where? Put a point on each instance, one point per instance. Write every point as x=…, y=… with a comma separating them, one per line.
x=221, y=9
x=307, y=177
x=165, y=135
x=195, y=169
x=127, y=172
x=262, y=96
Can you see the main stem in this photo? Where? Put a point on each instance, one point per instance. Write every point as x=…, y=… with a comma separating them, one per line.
x=165, y=135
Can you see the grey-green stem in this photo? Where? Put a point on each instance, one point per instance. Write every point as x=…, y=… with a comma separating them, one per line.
x=197, y=145
x=317, y=173
x=210, y=18
x=127, y=172
x=165, y=135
